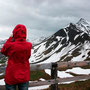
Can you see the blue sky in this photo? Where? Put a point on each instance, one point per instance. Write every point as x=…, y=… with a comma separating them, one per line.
x=41, y=15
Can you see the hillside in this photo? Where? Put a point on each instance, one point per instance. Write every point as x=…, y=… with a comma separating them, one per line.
x=71, y=43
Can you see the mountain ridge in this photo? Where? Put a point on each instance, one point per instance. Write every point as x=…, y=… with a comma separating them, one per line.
x=71, y=39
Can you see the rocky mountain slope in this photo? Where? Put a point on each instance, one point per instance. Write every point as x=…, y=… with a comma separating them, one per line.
x=71, y=43
x=2, y=57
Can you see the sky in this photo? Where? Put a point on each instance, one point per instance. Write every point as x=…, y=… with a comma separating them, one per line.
x=41, y=17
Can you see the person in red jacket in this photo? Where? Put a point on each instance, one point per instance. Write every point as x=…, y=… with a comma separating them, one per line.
x=18, y=51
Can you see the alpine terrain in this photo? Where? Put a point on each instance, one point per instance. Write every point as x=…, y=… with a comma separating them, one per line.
x=71, y=43
x=2, y=57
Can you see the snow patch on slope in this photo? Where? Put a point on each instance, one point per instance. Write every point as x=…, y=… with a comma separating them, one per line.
x=78, y=70
x=84, y=52
x=2, y=82
x=61, y=74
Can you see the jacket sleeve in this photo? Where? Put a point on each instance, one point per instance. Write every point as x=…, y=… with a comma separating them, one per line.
x=6, y=47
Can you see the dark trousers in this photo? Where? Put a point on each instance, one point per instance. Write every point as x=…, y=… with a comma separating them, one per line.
x=21, y=86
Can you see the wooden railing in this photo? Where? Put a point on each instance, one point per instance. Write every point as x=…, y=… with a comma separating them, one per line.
x=54, y=78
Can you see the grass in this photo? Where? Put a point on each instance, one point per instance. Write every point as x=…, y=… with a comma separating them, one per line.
x=86, y=67
x=1, y=77
x=79, y=85
x=36, y=75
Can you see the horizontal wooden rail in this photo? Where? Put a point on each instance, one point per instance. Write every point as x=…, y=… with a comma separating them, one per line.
x=58, y=80
x=35, y=67
x=73, y=64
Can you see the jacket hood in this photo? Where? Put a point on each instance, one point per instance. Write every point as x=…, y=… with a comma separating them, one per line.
x=19, y=32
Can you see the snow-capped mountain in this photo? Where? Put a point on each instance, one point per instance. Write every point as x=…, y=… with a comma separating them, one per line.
x=83, y=25
x=71, y=43
x=38, y=40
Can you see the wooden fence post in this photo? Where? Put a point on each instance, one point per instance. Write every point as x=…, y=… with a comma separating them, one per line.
x=54, y=76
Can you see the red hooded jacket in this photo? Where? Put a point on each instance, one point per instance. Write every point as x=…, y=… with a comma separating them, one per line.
x=18, y=53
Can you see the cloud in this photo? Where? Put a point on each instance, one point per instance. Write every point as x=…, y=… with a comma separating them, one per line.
x=49, y=15
x=5, y=32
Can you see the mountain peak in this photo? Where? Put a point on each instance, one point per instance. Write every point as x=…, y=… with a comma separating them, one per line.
x=83, y=25
x=82, y=21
